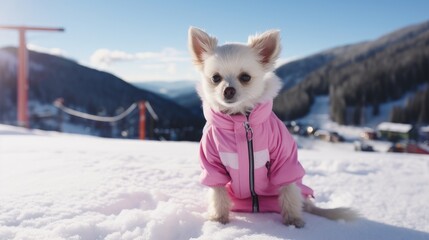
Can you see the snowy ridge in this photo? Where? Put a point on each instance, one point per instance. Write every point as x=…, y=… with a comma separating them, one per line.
x=8, y=60
x=171, y=89
x=58, y=186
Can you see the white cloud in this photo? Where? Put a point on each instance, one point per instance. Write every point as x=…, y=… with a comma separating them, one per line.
x=102, y=58
x=147, y=55
x=172, y=68
x=155, y=66
x=167, y=64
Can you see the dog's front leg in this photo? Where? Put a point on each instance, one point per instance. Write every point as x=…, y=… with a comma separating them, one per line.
x=291, y=204
x=219, y=205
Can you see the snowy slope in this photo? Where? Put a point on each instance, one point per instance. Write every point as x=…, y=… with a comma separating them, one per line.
x=8, y=61
x=319, y=115
x=169, y=89
x=56, y=186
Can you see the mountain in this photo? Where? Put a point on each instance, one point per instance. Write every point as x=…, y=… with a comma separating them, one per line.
x=360, y=77
x=292, y=73
x=168, y=89
x=181, y=92
x=91, y=91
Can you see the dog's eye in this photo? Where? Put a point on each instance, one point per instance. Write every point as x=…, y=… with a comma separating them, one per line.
x=244, y=77
x=216, y=78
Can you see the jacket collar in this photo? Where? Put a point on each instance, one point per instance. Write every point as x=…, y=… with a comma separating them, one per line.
x=258, y=115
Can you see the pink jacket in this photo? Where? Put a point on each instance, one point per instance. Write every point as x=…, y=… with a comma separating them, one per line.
x=253, y=156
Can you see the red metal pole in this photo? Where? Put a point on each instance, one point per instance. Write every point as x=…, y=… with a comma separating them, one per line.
x=22, y=81
x=142, y=121
x=22, y=84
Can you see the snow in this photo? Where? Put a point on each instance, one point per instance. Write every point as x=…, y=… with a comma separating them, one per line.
x=424, y=129
x=319, y=115
x=9, y=60
x=64, y=186
x=7, y=57
x=394, y=127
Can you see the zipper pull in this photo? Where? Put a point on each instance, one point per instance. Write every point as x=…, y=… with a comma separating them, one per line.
x=249, y=131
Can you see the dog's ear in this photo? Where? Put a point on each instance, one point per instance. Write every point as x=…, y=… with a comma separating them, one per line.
x=267, y=45
x=200, y=45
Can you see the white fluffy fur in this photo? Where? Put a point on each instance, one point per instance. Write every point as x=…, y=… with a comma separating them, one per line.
x=219, y=205
x=256, y=58
x=291, y=203
x=346, y=214
x=268, y=47
x=270, y=89
x=201, y=45
x=230, y=60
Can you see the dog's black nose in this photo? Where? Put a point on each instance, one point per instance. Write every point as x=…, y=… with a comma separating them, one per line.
x=229, y=93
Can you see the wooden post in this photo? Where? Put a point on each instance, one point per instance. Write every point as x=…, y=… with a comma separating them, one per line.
x=142, y=120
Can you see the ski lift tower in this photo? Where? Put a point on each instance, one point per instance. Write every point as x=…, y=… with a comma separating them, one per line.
x=22, y=84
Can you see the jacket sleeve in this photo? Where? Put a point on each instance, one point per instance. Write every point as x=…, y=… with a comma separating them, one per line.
x=284, y=165
x=213, y=171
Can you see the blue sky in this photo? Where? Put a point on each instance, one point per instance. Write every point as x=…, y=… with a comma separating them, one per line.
x=147, y=40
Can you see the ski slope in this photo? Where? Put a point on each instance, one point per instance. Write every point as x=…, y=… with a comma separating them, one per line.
x=59, y=186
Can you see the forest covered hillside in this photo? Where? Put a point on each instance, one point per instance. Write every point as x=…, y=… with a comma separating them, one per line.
x=360, y=77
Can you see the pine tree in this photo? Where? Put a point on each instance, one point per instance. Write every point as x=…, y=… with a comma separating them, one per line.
x=424, y=108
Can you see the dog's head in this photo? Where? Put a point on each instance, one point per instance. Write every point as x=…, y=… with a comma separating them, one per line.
x=235, y=75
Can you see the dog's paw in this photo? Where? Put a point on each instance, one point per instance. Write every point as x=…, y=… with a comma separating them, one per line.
x=297, y=222
x=222, y=219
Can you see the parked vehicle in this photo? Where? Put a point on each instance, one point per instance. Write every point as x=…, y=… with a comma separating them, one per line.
x=301, y=129
x=363, y=146
x=328, y=136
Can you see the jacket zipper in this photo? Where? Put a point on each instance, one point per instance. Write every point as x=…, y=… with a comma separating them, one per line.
x=249, y=138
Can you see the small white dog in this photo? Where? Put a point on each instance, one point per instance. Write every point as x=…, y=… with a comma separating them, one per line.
x=247, y=156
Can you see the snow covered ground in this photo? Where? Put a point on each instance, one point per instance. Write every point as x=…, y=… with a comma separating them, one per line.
x=58, y=186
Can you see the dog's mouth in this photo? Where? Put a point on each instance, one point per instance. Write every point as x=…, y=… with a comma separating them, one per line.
x=229, y=101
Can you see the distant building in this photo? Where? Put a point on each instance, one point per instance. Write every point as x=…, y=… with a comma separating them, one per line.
x=395, y=131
